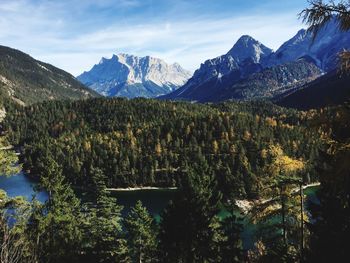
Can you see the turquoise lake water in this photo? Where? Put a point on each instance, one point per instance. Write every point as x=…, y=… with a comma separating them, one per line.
x=154, y=200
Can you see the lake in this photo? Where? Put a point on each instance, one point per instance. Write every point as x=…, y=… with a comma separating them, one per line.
x=154, y=200
x=21, y=185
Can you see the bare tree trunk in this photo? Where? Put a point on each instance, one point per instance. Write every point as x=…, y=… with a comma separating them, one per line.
x=302, y=223
x=283, y=213
x=13, y=246
x=140, y=255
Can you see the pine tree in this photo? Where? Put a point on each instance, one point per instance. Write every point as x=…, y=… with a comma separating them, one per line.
x=104, y=235
x=55, y=225
x=231, y=247
x=190, y=229
x=8, y=159
x=330, y=232
x=141, y=234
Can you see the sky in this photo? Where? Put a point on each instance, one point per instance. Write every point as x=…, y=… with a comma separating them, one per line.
x=75, y=34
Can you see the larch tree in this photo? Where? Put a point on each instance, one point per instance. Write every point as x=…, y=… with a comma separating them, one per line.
x=279, y=213
x=15, y=244
x=331, y=230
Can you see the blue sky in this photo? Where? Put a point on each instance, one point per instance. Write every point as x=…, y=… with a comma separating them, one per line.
x=75, y=34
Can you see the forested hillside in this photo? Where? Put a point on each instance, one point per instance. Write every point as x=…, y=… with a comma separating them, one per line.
x=153, y=143
x=330, y=89
x=25, y=80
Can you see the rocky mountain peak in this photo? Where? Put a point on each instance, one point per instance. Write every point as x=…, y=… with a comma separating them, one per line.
x=323, y=48
x=132, y=76
x=248, y=48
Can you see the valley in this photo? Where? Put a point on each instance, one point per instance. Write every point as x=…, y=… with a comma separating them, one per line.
x=245, y=158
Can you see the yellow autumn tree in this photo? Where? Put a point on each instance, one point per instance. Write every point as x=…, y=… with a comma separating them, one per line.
x=282, y=163
x=280, y=208
x=271, y=121
x=169, y=138
x=158, y=149
x=247, y=136
x=215, y=146
x=233, y=149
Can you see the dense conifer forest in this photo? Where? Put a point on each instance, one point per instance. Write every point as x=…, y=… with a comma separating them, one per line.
x=151, y=143
x=214, y=154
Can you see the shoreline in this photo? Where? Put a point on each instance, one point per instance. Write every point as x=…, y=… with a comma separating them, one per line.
x=246, y=205
x=141, y=188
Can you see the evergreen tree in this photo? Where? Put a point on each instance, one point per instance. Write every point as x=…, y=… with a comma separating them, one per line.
x=55, y=226
x=8, y=159
x=231, y=247
x=104, y=237
x=330, y=232
x=141, y=234
x=190, y=229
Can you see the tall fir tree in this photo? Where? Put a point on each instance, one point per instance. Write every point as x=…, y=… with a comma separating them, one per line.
x=141, y=234
x=104, y=238
x=190, y=230
x=232, y=246
x=55, y=226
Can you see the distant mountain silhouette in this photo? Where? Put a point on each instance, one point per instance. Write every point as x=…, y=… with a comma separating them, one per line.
x=250, y=70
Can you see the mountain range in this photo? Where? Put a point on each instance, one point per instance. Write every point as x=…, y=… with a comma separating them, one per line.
x=26, y=80
x=130, y=76
x=323, y=48
x=250, y=70
x=300, y=74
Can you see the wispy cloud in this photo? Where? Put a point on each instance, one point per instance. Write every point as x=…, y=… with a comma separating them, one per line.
x=77, y=38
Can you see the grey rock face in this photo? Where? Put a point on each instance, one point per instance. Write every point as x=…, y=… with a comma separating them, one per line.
x=131, y=76
x=217, y=77
x=323, y=49
x=243, y=59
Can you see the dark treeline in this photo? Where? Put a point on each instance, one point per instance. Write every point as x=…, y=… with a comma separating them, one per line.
x=152, y=143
